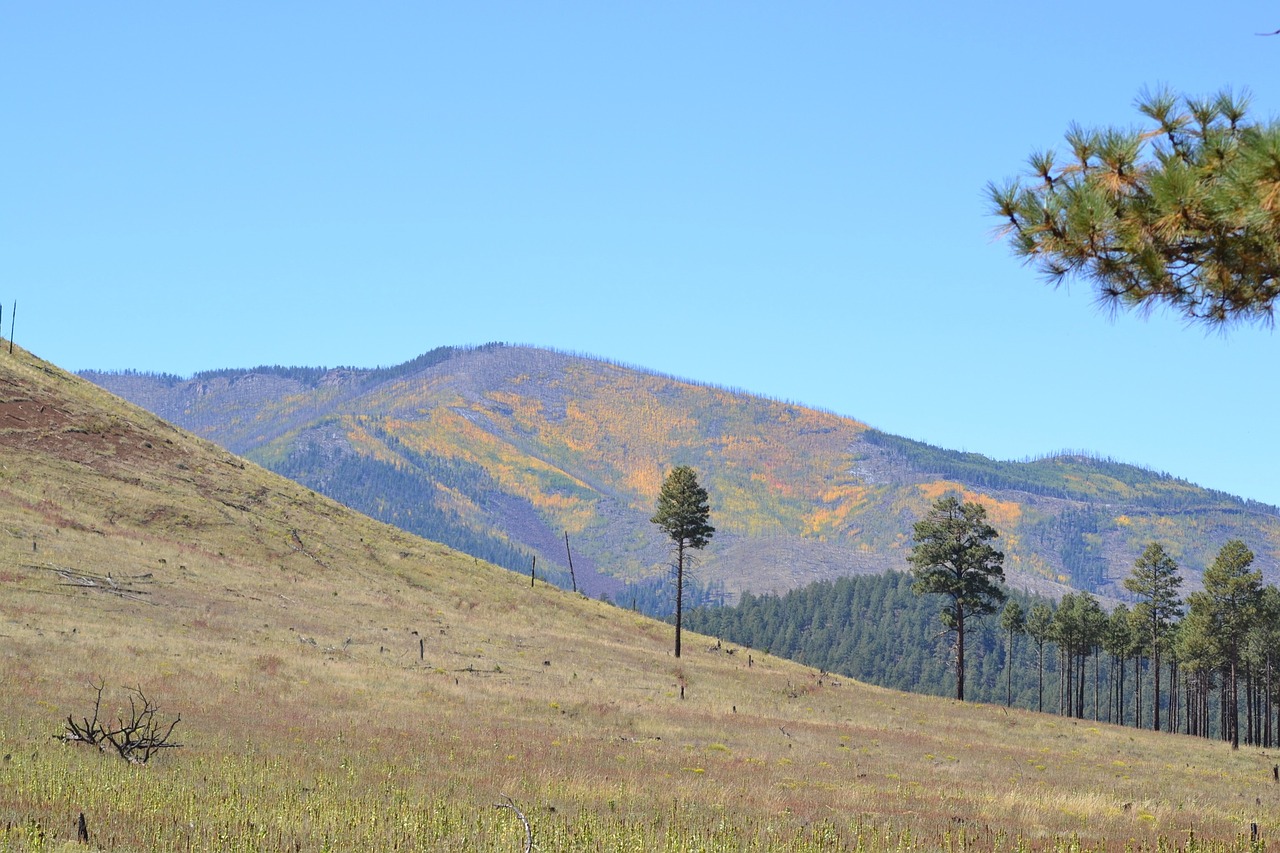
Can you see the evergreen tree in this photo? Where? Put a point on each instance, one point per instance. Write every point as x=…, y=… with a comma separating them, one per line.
x=1013, y=621
x=1231, y=598
x=1040, y=630
x=1201, y=656
x=1156, y=581
x=1094, y=622
x=1263, y=650
x=684, y=511
x=1118, y=641
x=1180, y=213
x=952, y=558
x=1077, y=629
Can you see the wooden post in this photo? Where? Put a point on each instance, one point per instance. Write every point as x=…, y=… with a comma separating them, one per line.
x=572, y=577
x=422, y=648
x=13, y=315
x=532, y=569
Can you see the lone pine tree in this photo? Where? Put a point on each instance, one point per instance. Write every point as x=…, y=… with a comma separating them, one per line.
x=683, y=513
x=952, y=557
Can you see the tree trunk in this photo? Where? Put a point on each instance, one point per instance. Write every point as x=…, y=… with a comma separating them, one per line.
x=1137, y=691
x=1155, y=683
x=1118, y=670
x=1080, y=684
x=1097, y=680
x=1266, y=707
x=1063, y=667
x=679, y=592
x=1234, y=706
x=1040, y=680
x=1008, y=681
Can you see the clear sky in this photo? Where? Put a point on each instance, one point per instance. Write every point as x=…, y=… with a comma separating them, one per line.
x=785, y=198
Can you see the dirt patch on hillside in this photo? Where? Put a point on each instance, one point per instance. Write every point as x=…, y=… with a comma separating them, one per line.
x=40, y=423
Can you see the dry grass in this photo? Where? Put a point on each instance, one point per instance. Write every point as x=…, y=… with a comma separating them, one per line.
x=354, y=688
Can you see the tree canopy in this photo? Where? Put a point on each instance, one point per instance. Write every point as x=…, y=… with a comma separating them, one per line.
x=1156, y=581
x=952, y=557
x=1224, y=613
x=1182, y=213
x=683, y=513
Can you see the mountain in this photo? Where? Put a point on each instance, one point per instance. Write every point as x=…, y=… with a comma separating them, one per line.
x=340, y=684
x=506, y=451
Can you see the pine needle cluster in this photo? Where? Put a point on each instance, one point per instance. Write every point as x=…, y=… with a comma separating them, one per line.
x=1184, y=213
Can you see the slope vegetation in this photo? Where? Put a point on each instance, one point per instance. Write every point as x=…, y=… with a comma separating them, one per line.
x=501, y=451
x=344, y=685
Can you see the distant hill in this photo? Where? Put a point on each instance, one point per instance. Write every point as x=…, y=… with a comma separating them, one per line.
x=501, y=451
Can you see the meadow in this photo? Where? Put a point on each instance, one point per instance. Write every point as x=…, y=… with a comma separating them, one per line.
x=345, y=686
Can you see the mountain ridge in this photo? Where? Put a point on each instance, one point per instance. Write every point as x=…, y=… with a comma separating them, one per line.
x=578, y=446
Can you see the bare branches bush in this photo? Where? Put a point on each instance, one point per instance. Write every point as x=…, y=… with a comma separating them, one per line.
x=136, y=735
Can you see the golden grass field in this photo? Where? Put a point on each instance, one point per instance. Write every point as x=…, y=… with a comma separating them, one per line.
x=345, y=686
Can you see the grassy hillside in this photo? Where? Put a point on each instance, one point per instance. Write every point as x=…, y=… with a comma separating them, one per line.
x=501, y=450
x=343, y=685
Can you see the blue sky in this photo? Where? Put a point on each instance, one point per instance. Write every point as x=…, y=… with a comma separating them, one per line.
x=782, y=198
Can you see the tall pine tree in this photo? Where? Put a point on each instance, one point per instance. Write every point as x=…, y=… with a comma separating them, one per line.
x=952, y=557
x=684, y=511
x=1231, y=599
x=1155, y=581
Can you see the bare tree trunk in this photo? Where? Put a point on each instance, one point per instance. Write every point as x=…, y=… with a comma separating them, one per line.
x=1097, y=681
x=1008, y=682
x=1155, y=695
x=1040, y=680
x=1137, y=691
x=572, y=576
x=679, y=592
x=1062, y=684
x=1266, y=706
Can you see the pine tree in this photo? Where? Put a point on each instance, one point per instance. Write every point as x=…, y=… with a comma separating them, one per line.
x=952, y=557
x=1263, y=646
x=1232, y=595
x=1118, y=641
x=1182, y=212
x=1201, y=657
x=1013, y=621
x=684, y=511
x=1040, y=630
x=1077, y=628
x=1155, y=579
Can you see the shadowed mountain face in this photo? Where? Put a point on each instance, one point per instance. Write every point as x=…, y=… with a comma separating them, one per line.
x=503, y=452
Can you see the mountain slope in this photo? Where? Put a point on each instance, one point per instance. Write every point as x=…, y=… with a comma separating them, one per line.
x=345, y=685
x=513, y=447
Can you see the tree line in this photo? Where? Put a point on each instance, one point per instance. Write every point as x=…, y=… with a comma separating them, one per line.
x=1201, y=664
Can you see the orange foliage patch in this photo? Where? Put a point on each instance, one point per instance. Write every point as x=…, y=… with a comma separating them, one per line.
x=1001, y=514
x=369, y=445
x=839, y=502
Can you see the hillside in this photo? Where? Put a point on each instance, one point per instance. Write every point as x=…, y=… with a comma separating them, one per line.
x=344, y=685
x=502, y=450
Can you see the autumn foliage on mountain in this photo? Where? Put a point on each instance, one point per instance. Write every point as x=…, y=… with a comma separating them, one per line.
x=502, y=450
